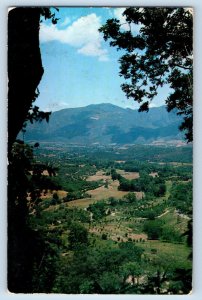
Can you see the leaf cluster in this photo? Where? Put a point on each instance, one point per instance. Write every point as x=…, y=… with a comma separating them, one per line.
x=159, y=51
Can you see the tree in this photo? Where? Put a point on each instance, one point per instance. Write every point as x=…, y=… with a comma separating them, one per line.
x=130, y=197
x=159, y=51
x=132, y=269
x=109, y=282
x=55, y=200
x=25, y=68
x=78, y=236
x=24, y=73
x=153, y=228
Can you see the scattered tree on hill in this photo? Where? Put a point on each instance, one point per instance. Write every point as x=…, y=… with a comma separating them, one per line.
x=109, y=282
x=130, y=197
x=159, y=51
x=153, y=228
x=78, y=236
x=132, y=269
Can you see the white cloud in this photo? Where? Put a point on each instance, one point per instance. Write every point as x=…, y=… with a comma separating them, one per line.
x=118, y=14
x=151, y=104
x=54, y=106
x=82, y=34
x=66, y=21
x=91, y=49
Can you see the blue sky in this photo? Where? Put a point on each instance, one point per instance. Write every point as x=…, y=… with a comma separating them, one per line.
x=80, y=67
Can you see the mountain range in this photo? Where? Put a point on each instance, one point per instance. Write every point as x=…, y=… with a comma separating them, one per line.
x=106, y=123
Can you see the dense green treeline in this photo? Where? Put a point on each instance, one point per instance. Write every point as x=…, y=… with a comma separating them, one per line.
x=181, y=197
x=106, y=154
x=144, y=183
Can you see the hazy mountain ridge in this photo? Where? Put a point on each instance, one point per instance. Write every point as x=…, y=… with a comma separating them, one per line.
x=107, y=123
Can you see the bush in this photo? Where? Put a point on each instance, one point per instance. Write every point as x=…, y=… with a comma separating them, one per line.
x=153, y=228
x=78, y=236
x=104, y=236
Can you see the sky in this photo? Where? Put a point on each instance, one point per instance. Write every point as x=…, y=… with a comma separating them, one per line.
x=80, y=68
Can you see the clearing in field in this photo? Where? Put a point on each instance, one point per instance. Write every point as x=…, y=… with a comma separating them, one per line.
x=128, y=175
x=49, y=194
x=103, y=193
x=100, y=175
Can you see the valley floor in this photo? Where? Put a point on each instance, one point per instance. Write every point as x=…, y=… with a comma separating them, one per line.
x=117, y=226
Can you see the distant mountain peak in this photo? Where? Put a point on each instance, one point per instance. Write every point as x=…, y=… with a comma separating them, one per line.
x=107, y=123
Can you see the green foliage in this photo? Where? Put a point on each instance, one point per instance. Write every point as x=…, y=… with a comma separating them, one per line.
x=35, y=115
x=75, y=195
x=182, y=281
x=181, y=197
x=112, y=201
x=109, y=282
x=98, y=209
x=75, y=260
x=95, y=271
x=86, y=266
x=130, y=197
x=104, y=236
x=86, y=287
x=77, y=237
x=129, y=248
x=115, y=175
x=150, y=211
x=76, y=185
x=133, y=269
x=145, y=183
x=55, y=200
x=25, y=178
x=171, y=234
x=155, y=58
x=48, y=14
x=153, y=228
x=45, y=261
x=146, y=158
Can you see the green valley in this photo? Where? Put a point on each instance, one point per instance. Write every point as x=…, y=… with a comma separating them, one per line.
x=119, y=220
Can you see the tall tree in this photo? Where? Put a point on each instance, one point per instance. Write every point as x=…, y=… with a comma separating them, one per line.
x=25, y=68
x=24, y=73
x=159, y=51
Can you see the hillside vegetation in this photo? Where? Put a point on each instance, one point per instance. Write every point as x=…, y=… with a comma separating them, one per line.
x=119, y=221
x=105, y=123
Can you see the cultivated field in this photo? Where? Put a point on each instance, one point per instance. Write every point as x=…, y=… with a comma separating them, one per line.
x=103, y=193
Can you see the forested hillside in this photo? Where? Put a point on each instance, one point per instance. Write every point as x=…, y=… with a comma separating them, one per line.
x=107, y=123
